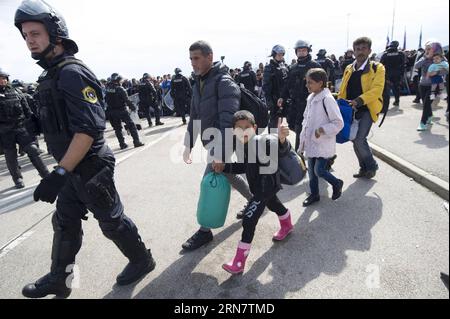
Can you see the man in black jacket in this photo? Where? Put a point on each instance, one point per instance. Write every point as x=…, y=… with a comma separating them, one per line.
x=14, y=111
x=274, y=82
x=181, y=92
x=394, y=62
x=73, y=120
x=117, y=100
x=147, y=99
x=216, y=98
x=247, y=78
x=296, y=93
x=327, y=64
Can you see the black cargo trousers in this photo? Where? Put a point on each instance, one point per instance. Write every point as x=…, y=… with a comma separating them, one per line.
x=91, y=188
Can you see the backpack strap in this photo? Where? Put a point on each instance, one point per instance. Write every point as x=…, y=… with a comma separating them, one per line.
x=325, y=109
x=375, y=68
x=66, y=62
x=70, y=61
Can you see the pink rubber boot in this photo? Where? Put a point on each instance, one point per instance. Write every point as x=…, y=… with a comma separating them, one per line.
x=237, y=266
x=286, y=227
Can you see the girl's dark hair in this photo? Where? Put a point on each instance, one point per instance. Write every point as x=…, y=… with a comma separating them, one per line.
x=318, y=75
x=243, y=116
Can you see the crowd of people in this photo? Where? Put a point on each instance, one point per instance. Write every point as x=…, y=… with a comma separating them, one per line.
x=71, y=107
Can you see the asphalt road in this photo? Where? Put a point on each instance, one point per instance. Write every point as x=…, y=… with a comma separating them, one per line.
x=385, y=238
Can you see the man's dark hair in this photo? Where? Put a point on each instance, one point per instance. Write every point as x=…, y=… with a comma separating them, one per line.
x=203, y=46
x=318, y=75
x=363, y=40
x=243, y=116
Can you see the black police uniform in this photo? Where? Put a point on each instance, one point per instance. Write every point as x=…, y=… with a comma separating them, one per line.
x=346, y=62
x=297, y=92
x=248, y=78
x=117, y=100
x=274, y=82
x=394, y=62
x=14, y=112
x=70, y=100
x=328, y=65
x=32, y=124
x=147, y=99
x=181, y=92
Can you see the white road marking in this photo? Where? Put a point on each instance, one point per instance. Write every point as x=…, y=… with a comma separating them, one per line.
x=27, y=198
x=10, y=246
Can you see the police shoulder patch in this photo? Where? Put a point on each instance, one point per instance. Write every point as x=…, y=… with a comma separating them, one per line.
x=90, y=95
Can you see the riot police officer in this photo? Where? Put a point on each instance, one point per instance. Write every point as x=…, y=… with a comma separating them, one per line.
x=349, y=58
x=73, y=121
x=247, y=78
x=14, y=111
x=274, y=82
x=327, y=64
x=296, y=92
x=395, y=62
x=181, y=93
x=117, y=100
x=148, y=98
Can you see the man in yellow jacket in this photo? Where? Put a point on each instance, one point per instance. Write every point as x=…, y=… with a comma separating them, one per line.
x=362, y=86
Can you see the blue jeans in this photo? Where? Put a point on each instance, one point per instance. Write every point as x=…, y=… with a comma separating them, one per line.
x=361, y=145
x=316, y=169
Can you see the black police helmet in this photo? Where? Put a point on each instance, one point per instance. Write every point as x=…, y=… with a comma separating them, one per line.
x=322, y=52
x=146, y=76
x=17, y=84
x=178, y=71
x=394, y=44
x=301, y=44
x=3, y=74
x=40, y=11
x=278, y=49
x=116, y=77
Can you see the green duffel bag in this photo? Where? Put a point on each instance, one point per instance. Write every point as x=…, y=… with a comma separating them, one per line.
x=214, y=201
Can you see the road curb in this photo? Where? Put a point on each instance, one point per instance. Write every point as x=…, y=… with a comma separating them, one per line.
x=433, y=183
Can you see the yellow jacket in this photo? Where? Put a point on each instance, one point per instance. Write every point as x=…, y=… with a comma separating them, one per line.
x=373, y=81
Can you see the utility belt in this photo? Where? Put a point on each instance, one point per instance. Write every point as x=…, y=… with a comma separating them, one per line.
x=97, y=176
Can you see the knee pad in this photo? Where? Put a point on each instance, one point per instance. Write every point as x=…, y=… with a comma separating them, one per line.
x=116, y=229
x=31, y=150
x=66, y=240
x=67, y=231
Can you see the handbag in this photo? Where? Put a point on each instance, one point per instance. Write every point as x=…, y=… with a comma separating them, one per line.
x=214, y=201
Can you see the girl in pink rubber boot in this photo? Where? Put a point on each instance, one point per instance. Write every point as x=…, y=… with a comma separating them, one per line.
x=263, y=179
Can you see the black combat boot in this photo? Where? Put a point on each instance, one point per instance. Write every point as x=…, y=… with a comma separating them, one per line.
x=57, y=284
x=13, y=167
x=125, y=236
x=66, y=245
x=19, y=184
x=136, y=269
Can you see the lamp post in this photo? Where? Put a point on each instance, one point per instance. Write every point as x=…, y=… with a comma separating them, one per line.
x=348, y=30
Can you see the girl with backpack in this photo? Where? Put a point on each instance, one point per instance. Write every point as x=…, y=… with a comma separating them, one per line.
x=322, y=122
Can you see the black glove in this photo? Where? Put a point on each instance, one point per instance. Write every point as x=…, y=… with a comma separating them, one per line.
x=49, y=188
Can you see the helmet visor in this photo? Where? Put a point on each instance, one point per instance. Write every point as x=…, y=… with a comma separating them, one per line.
x=35, y=7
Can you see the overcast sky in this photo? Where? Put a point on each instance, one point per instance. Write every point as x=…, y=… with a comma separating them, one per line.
x=135, y=36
